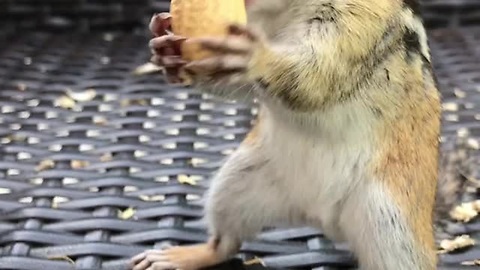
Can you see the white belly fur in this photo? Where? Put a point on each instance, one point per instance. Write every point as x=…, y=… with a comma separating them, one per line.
x=320, y=161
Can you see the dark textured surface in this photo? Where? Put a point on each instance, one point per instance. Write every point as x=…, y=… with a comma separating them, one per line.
x=130, y=145
x=451, y=13
x=86, y=15
x=94, y=15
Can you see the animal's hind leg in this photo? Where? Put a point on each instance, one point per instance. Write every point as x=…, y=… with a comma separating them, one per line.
x=382, y=236
x=242, y=199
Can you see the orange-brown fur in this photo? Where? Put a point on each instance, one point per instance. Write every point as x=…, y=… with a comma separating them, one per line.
x=408, y=163
x=408, y=159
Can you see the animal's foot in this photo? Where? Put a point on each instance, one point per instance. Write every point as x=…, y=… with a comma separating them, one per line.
x=182, y=258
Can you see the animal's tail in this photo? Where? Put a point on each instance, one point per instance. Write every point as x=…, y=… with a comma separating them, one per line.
x=456, y=184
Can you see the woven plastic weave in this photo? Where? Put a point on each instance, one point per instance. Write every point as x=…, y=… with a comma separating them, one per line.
x=451, y=13
x=98, y=163
x=94, y=15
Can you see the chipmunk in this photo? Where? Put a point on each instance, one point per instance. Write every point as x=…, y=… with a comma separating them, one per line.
x=346, y=139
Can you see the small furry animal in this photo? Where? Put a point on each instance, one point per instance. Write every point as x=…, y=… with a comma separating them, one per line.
x=348, y=129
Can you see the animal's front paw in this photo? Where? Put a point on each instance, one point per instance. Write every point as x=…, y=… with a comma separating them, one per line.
x=165, y=47
x=231, y=55
x=183, y=258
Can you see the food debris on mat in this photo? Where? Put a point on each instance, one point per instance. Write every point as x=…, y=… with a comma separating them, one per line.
x=45, y=165
x=466, y=211
x=127, y=213
x=460, y=242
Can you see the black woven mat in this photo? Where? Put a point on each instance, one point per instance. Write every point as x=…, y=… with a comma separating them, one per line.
x=95, y=15
x=120, y=167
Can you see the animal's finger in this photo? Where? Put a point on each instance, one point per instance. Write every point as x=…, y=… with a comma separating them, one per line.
x=173, y=61
x=162, y=266
x=160, y=23
x=144, y=264
x=168, y=61
x=217, y=64
x=242, y=30
x=225, y=45
x=151, y=257
x=171, y=70
x=163, y=51
x=166, y=41
x=137, y=258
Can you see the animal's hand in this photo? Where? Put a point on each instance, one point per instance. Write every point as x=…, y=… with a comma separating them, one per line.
x=231, y=58
x=165, y=47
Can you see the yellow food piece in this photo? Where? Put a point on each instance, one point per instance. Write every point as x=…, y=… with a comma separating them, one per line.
x=127, y=214
x=200, y=18
x=466, y=211
x=459, y=242
x=184, y=179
